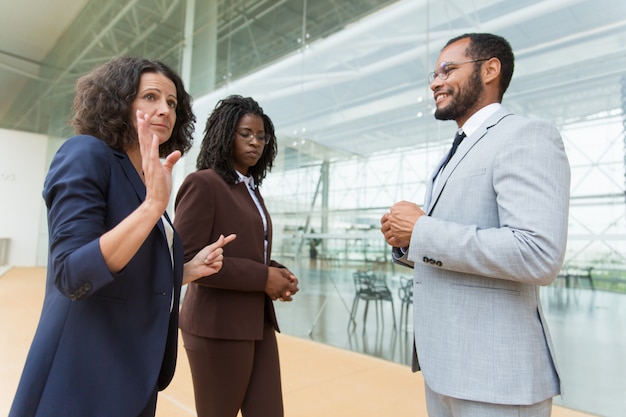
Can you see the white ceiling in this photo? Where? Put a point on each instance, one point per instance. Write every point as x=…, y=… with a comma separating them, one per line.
x=28, y=31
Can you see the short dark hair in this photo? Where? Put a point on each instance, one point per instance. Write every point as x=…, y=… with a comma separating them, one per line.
x=216, y=150
x=102, y=105
x=487, y=45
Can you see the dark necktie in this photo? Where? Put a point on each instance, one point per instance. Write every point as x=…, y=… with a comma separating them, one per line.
x=455, y=144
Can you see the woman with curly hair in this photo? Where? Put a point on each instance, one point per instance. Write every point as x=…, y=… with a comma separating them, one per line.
x=227, y=320
x=107, y=337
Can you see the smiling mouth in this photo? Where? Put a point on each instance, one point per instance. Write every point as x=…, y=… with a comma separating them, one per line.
x=441, y=96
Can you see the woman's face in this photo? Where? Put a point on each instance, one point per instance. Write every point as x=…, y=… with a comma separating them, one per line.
x=156, y=97
x=249, y=142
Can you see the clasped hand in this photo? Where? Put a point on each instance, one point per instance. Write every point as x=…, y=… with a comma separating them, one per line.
x=281, y=284
x=397, y=225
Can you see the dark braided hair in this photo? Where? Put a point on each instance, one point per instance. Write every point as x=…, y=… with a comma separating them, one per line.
x=216, y=150
x=487, y=45
x=102, y=105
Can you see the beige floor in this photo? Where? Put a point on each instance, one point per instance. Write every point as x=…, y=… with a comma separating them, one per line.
x=318, y=380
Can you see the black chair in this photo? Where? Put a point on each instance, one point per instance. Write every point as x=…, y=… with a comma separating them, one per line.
x=405, y=293
x=369, y=287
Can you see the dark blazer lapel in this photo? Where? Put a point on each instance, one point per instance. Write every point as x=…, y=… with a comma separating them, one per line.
x=131, y=174
x=135, y=180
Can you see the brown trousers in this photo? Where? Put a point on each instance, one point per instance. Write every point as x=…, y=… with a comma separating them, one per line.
x=233, y=375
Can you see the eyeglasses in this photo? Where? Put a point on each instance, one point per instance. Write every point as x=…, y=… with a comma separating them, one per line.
x=247, y=135
x=446, y=67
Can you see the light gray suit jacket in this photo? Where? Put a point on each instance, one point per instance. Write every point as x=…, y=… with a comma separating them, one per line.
x=496, y=230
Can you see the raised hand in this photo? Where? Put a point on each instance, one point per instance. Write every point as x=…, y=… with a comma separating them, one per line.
x=156, y=175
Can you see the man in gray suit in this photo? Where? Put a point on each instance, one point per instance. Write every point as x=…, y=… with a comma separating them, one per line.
x=493, y=229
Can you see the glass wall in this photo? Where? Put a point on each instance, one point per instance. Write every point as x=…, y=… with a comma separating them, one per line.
x=356, y=133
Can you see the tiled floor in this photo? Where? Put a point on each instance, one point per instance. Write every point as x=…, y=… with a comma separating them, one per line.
x=588, y=330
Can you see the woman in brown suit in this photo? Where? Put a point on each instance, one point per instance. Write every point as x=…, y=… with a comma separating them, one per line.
x=227, y=320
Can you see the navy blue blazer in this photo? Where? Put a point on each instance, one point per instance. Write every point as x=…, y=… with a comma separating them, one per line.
x=105, y=341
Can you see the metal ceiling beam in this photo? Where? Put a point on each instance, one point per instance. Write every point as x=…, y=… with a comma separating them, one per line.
x=84, y=55
x=20, y=65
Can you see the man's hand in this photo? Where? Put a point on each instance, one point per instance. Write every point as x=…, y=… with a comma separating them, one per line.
x=397, y=225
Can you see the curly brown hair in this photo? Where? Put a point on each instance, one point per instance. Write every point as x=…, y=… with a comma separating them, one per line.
x=102, y=105
x=217, y=146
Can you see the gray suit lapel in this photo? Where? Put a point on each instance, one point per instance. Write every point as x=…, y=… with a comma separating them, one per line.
x=430, y=184
x=463, y=149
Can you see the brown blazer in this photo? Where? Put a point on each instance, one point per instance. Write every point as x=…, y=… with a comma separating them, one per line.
x=231, y=304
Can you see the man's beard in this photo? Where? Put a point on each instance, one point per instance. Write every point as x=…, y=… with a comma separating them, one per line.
x=462, y=103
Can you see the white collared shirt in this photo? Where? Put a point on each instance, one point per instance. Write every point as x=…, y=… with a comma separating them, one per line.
x=169, y=235
x=473, y=123
x=251, y=187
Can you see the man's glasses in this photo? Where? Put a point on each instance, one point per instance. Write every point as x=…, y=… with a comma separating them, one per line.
x=247, y=135
x=445, y=67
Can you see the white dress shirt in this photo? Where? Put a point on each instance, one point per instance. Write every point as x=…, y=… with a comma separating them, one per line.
x=251, y=187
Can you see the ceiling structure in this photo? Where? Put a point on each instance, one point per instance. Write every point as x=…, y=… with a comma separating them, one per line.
x=348, y=77
x=28, y=32
x=74, y=44
x=364, y=90
x=63, y=40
